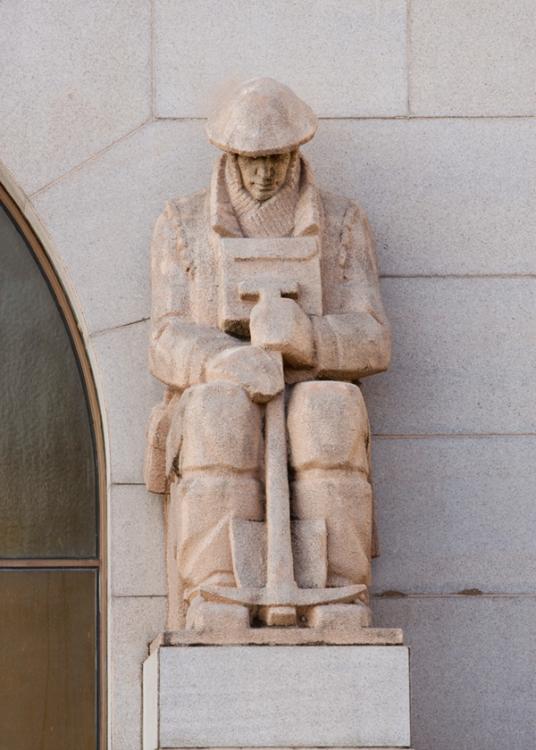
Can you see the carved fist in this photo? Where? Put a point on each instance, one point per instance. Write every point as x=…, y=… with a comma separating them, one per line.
x=258, y=371
x=279, y=324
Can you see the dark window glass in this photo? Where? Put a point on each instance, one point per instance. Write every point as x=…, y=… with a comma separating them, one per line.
x=48, y=688
x=48, y=486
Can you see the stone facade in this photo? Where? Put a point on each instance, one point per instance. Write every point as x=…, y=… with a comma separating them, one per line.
x=427, y=117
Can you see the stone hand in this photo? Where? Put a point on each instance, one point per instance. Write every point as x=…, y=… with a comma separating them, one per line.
x=279, y=324
x=258, y=371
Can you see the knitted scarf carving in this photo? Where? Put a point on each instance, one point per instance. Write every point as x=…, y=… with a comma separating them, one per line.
x=271, y=218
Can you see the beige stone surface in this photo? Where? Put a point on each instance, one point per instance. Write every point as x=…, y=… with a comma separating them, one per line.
x=264, y=255
x=104, y=250
x=150, y=703
x=128, y=392
x=444, y=196
x=135, y=621
x=472, y=669
x=136, y=542
x=221, y=696
x=67, y=91
x=348, y=56
x=460, y=358
x=472, y=58
x=469, y=500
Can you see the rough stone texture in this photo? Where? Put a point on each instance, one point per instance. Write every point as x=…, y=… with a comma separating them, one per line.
x=76, y=76
x=134, y=623
x=455, y=513
x=362, y=699
x=288, y=122
x=348, y=56
x=462, y=358
x=116, y=199
x=473, y=58
x=260, y=285
x=136, y=542
x=128, y=392
x=472, y=669
x=443, y=196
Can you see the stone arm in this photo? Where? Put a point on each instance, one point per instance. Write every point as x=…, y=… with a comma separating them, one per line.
x=180, y=349
x=354, y=341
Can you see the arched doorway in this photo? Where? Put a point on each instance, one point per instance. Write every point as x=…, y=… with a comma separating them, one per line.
x=52, y=521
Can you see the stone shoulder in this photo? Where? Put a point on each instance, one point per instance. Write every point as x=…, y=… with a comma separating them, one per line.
x=339, y=208
x=186, y=206
x=188, y=213
x=185, y=218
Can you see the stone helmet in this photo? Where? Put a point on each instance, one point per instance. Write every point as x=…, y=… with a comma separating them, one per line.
x=261, y=116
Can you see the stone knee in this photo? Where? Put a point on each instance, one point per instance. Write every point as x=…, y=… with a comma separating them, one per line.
x=214, y=444
x=329, y=434
x=216, y=426
x=328, y=427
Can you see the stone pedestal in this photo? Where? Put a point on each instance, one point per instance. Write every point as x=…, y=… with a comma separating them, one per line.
x=276, y=696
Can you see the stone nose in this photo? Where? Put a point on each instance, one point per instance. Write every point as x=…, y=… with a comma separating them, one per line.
x=265, y=170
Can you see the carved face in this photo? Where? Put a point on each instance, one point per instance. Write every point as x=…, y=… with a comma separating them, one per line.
x=262, y=176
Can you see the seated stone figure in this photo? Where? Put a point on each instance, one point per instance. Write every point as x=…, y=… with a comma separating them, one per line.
x=206, y=439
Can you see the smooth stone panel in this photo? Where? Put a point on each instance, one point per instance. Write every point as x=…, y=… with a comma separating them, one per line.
x=463, y=358
x=129, y=392
x=348, y=57
x=470, y=57
x=443, y=196
x=150, y=704
x=76, y=77
x=101, y=217
x=135, y=621
x=472, y=669
x=137, y=542
x=455, y=514
x=315, y=696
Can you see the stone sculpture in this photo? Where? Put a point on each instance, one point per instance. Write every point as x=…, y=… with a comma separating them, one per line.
x=266, y=314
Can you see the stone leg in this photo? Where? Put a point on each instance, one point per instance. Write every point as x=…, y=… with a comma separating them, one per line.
x=329, y=434
x=214, y=444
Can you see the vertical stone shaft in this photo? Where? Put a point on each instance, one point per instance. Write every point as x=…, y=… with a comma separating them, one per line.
x=280, y=567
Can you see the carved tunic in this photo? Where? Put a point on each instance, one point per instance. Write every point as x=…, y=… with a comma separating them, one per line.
x=352, y=337
x=205, y=439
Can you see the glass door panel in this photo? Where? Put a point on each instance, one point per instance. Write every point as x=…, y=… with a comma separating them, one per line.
x=48, y=478
x=48, y=633
x=52, y=644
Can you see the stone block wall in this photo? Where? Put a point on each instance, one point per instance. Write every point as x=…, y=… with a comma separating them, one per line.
x=428, y=118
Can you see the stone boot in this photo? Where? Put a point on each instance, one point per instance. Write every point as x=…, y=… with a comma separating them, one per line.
x=339, y=616
x=206, y=616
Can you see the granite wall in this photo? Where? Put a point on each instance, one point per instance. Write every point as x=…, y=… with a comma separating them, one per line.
x=428, y=119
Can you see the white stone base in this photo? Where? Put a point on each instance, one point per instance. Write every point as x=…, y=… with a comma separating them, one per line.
x=276, y=697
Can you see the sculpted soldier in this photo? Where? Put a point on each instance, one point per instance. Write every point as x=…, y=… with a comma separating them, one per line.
x=265, y=297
